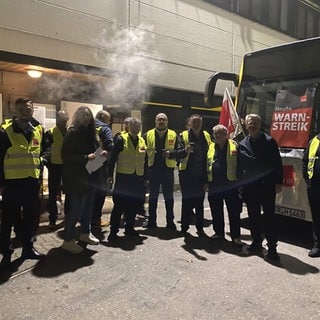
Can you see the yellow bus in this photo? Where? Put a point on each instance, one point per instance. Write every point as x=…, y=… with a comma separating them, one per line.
x=281, y=84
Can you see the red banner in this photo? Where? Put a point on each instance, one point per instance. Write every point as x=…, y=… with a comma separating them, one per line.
x=290, y=128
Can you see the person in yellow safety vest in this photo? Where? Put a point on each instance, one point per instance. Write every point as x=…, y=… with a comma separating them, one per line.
x=17, y=228
x=223, y=186
x=126, y=122
x=128, y=155
x=53, y=140
x=161, y=144
x=311, y=174
x=20, y=168
x=193, y=145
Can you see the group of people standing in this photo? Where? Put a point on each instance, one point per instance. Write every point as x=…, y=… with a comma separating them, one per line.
x=230, y=171
x=251, y=169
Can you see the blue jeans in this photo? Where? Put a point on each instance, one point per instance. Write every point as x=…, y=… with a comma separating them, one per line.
x=81, y=207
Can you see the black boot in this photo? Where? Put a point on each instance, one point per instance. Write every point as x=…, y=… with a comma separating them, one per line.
x=5, y=263
x=315, y=251
x=272, y=254
x=32, y=253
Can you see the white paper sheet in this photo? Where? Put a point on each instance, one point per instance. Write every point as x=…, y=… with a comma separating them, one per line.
x=95, y=164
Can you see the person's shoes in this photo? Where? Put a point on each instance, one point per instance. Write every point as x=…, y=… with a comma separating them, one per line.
x=184, y=229
x=32, y=254
x=52, y=225
x=71, y=246
x=237, y=241
x=148, y=224
x=113, y=237
x=314, y=252
x=171, y=226
x=201, y=233
x=255, y=247
x=5, y=263
x=89, y=238
x=272, y=255
x=217, y=237
x=132, y=232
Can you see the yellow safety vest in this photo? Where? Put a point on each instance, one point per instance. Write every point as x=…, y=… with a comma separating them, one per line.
x=169, y=145
x=314, y=145
x=6, y=123
x=185, y=137
x=131, y=160
x=56, y=146
x=22, y=159
x=231, y=160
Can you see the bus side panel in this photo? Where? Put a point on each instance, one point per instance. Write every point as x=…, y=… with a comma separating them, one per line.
x=293, y=200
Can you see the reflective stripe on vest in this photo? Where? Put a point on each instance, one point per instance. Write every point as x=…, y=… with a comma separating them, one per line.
x=313, y=148
x=185, y=137
x=56, y=146
x=231, y=160
x=22, y=159
x=131, y=160
x=169, y=145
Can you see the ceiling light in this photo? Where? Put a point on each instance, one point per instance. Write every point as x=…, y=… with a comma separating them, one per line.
x=34, y=73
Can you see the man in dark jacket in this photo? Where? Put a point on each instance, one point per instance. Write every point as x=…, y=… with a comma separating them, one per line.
x=260, y=170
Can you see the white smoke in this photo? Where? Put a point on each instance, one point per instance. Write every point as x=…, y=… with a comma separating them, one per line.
x=134, y=61
x=128, y=63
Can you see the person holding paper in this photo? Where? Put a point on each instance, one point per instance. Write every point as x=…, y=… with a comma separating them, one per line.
x=79, y=147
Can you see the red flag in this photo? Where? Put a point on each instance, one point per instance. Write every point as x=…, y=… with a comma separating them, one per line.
x=229, y=116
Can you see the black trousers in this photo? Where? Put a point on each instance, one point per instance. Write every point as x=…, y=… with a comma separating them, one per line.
x=192, y=198
x=234, y=207
x=314, y=201
x=20, y=195
x=165, y=179
x=127, y=196
x=257, y=196
x=54, y=184
x=100, y=185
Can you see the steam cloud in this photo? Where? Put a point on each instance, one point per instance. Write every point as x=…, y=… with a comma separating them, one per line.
x=130, y=61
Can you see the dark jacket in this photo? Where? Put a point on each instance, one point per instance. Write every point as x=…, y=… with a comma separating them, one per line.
x=77, y=144
x=105, y=134
x=259, y=161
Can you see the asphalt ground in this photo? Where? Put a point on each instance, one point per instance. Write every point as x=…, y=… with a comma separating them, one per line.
x=163, y=275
